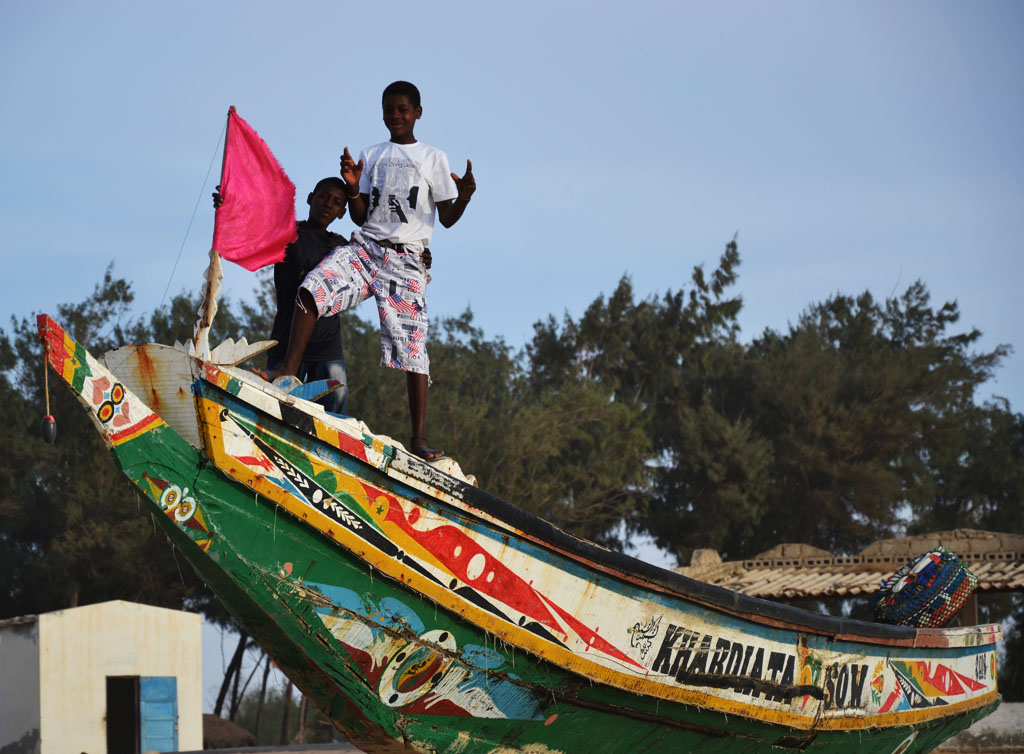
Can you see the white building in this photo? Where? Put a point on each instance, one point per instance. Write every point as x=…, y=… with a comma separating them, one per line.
x=113, y=678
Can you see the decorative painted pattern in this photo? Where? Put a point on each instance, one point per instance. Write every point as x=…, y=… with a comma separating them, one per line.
x=181, y=506
x=604, y=629
x=430, y=674
x=425, y=606
x=117, y=413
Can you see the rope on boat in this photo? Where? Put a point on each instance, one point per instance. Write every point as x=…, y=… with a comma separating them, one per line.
x=195, y=209
x=49, y=425
x=46, y=375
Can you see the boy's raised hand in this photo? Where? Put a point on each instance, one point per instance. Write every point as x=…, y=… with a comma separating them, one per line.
x=351, y=172
x=467, y=183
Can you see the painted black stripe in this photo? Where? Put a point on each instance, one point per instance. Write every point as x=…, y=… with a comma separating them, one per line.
x=335, y=509
x=297, y=418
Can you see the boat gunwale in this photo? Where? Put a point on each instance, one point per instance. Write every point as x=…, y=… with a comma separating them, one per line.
x=491, y=510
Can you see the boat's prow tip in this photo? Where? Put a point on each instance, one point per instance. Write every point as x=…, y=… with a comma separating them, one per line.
x=45, y=323
x=53, y=337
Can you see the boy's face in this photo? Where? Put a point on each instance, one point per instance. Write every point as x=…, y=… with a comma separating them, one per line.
x=400, y=116
x=326, y=205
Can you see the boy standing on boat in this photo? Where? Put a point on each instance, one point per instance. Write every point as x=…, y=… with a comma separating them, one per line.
x=393, y=193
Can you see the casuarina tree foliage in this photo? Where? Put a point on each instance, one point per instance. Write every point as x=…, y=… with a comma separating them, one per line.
x=858, y=422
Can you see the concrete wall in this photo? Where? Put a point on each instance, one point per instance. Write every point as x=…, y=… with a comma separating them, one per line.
x=19, y=686
x=79, y=648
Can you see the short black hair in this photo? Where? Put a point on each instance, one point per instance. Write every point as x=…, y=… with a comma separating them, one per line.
x=402, y=89
x=332, y=180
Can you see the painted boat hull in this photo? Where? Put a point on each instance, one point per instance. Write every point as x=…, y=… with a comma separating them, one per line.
x=421, y=614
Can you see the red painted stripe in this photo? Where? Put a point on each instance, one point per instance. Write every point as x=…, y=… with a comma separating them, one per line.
x=134, y=428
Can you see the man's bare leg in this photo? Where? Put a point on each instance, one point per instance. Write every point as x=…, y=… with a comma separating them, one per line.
x=417, y=385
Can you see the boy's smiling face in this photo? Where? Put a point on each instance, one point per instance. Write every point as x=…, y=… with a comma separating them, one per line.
x=400, y=117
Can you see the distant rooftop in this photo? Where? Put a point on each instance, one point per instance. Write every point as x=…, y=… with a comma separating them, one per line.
x=793, y=571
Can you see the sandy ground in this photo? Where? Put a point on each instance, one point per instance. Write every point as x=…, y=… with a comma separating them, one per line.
x=1002, y=732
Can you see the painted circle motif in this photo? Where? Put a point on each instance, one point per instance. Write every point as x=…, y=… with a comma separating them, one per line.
x=186, y=509
x=105, y=412
x=170, y=496
x=415, y=669
x=476, y=566
x=117, y=393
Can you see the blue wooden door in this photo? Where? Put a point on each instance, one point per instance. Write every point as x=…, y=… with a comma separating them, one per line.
x=158, y=713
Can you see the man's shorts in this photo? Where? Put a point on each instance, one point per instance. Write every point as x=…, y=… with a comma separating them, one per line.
x=395, y=278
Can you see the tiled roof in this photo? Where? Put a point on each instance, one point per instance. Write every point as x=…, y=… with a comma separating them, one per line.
x=800, y=571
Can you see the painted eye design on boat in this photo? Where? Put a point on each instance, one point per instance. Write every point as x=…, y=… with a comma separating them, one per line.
x=117, y=393
x=186, y=509
x=170, y=496
x=416, y=669
x=105, y=412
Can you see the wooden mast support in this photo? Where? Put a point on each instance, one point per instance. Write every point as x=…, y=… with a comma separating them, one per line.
x=213, y=275
x=208, y=308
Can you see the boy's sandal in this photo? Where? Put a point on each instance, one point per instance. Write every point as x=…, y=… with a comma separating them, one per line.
x=422, y=451
x=263, y=374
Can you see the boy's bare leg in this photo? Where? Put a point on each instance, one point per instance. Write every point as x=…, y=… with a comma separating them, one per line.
x=417, y=384
x=302, y=328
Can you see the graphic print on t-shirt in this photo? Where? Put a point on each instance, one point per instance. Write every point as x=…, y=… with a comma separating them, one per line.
x=396, y=208
x=396, y=176
x=403, y=183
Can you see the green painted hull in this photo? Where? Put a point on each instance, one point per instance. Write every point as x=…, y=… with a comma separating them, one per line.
x=400, y=661
x=244, y=566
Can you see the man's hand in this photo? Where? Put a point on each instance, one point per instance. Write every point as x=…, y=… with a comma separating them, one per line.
x=351, y=172
x=467, y=183
x=425, y=258
x=217, y=198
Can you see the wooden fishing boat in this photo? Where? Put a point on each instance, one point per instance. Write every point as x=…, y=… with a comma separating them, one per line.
x=420, y=613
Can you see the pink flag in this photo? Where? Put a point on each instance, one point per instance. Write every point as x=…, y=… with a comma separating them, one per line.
x=256, y=219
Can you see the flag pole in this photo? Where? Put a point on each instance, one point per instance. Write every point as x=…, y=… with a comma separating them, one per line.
x=213, y=275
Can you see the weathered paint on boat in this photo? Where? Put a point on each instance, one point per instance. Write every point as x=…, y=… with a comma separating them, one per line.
x=416, y=610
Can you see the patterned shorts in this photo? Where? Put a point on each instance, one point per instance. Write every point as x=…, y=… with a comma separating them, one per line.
x=396, y=279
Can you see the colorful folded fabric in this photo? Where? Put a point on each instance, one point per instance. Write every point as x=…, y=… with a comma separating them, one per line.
x=927, y=592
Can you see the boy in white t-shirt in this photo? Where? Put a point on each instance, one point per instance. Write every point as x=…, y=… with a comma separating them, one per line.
x=393, y=193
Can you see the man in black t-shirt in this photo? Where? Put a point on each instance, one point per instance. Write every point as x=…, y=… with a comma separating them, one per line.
x=324, y=357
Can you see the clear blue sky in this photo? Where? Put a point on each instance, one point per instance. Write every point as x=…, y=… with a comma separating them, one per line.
x=857, y=145
x=852, y=145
